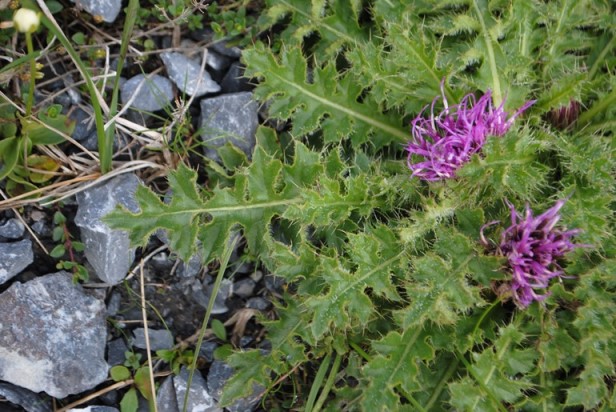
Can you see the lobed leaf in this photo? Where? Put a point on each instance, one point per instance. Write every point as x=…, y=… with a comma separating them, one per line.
x=319, y=98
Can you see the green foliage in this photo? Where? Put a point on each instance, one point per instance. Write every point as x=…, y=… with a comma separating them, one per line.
x=395, y=277
x=18, y=137
x=176, y=358
x=67, y=245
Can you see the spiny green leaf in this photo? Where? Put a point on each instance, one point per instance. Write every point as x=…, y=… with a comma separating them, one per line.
x=509, y=166
x=327, y=101
x=495, y=371
x=336, y=22
x=180, y=218
x=330, y=203
x=395, y=365
x=438, y=288
x=252, y=367
x=346, y=301
x=251, y=203
x=396, y=70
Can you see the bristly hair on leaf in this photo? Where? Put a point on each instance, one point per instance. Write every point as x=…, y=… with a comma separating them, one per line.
x=445, y=142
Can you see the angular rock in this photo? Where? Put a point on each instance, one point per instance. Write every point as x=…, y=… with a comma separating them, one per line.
x=190, y=269
x=207, y=350
x=258, y=303
x=184, y=72
x=274, y=283
x=107, y=250
x=234, y=80
x=226, y=50
x=165, y=397
x=218, y=376
x=244, y=288
x=217, y=61
x=229, y=118
x=14, y=257
x=52, y=336
x=12, y=229
x=202, y=294
x=155, y=93
x=108, y=10
x=199, y=398
x=94, y=408
x=116, y=350
x=29, y=401
x=84, y=124
x=159, y=339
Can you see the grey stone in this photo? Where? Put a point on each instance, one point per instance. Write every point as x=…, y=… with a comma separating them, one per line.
x=108, y=10
x=113, y=304
x=165, y=397
x=159, y=339
x=14, y=257
x=218, y=376
x=217, y=61
x=234, y=81
x=245, y=341
x=244, y=288
x=257, y=275
x=226, y=50
x=258, y=303
x=156, y=92
x=91, y=141
x=184, y=72
x=116, y=352
x=29, y=401
x=199, y=399
x=41, y=228
x=190, y=269
x=52, y=336
x=84, y=124
x=274, y=283
x=71, y=92
x=207, y=350
x=202, y=293
x=107, y=250
x=95, y=408
x=12, y=229
x=229, y=118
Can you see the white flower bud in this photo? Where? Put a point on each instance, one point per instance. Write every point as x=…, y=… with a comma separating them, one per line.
x=26, y=20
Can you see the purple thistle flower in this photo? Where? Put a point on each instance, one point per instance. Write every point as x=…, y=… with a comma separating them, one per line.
x=448, y=140
x=532, y=246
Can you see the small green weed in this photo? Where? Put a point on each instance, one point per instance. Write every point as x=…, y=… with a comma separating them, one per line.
x=68, y=245
x=140, y=378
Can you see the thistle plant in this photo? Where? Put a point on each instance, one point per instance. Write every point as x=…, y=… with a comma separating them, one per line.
x=533, y=246
x=390, y=302
x=447, y=141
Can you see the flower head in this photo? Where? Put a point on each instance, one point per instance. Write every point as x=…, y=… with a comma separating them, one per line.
x=26, y=20
x=533, y=246
x=565, y=116
x=446, y=141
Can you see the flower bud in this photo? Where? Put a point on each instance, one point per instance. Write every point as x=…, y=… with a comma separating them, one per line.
x=565, y=116
x=26, y=20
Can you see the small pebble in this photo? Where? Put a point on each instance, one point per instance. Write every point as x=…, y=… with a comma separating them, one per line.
x=244, y=288
x=12, y=229
x=258, y=303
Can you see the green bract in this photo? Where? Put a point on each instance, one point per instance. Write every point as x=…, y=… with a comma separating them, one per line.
x=389, y=285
